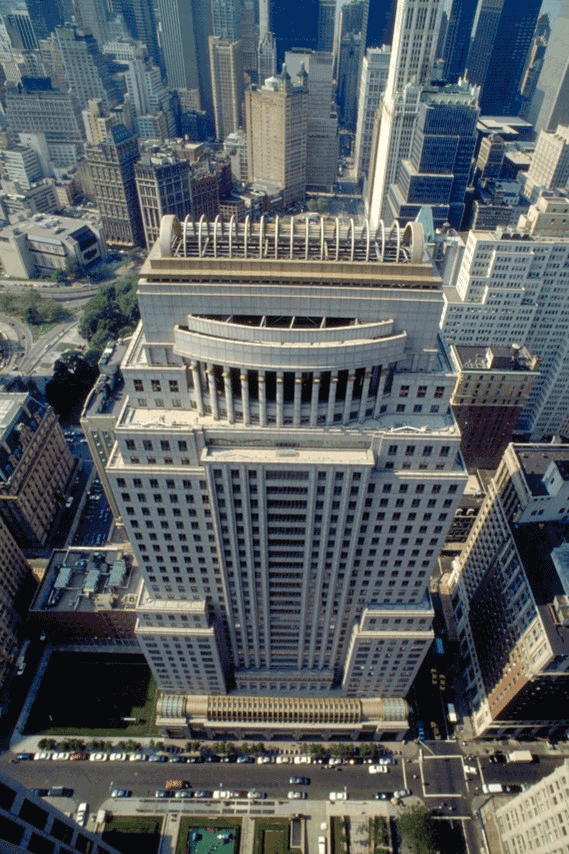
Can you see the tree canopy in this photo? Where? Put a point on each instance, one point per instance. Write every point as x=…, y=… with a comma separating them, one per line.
x=110, y=313
x=418, y=828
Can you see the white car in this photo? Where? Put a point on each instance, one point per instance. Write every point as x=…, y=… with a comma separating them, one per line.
x=386, y=760
x=378, y=769
x=338, y=796
x=98, y=757
x=221, y=794
x=302, y=760
x=335, y=760
x=60, y=756
x=282, y=760
x=138, y=757
x=82, y=814
x=117, y=757
x=264, y=760
x=45, y=755
x=296, y=795
x=254, y=794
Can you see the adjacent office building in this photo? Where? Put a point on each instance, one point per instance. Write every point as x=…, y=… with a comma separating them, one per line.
x=164, y=187
x=286, y=471
x=509, y=589
x=412, y=57
x=111, y=165
x=549, y=168
x=276, y=121
x=16, y=589
x=30, y=823
x=35, y=468
x=457, y=38
x=373, y=80
x=491, y=391
x=510, y=286
x=226, y=68
x=186, y=27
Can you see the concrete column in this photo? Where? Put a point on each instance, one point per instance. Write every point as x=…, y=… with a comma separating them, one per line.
x=280, y=406
x=245, y=398
x=297, y=393
x=212, y=394
x=314, y=400
x=332, y=399
x=228, y=395
x=349, y=396
x=365, y=392
x=379, y=396
x=197, y=386
x=262, y=399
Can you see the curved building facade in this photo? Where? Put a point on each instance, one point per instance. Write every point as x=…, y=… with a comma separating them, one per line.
x=286, y=463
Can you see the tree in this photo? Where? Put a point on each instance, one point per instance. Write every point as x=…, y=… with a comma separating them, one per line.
x=417, y=827
x=110, y=313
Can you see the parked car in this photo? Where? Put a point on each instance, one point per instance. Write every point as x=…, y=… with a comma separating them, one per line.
x=121, y=793
x=254, y=794
x=402, y=793
x=383, y=796
x=245, y=760
x=157, y=757
x=44, y=754
x=264, y=760
x=338, y=796
x=60, y=756
x=82, y=814
x=377, y=769
x=202, y=793
x=117, y=757
x=24, y=757
x=386, y=760
x=184, y=793
x=41, y=793
x=299, y=781
x=282, y=760
x=98, y=757
x=296, y=795
x=60, y=792
x=163, y=793
x=138, y=757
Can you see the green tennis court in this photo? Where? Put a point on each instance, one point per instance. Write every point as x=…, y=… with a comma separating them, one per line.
x=211, y=840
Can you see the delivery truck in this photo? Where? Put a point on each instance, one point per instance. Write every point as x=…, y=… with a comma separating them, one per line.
x=519, y=756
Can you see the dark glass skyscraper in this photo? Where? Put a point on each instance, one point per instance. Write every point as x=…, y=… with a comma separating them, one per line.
x=457, y=40
x=502, y=34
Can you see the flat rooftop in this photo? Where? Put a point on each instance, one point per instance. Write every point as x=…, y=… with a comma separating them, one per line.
x=88, y=580
x=535, y=460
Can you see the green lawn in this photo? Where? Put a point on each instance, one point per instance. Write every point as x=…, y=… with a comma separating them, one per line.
x=85, y=694
x=128, y=834
x=271, y=836
x=207, y=822
x=339, y=839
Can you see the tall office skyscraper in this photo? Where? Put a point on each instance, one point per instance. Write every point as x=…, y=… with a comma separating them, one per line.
x=86, y=68
x=501, y=37
x=139, y=19
x=326, y=25
x=440, y=161
x=19, y=22
x=226, y=19
x=226, y=68
x=322, y=121
x=550, y=103
x=349, y=49
x=276, y=124
x=93, y=15
x=457, y=41
x=45, y=16
x=286, y=466
x=111, y=164
x=412, y=57
x=186, y=27
x=373, y=80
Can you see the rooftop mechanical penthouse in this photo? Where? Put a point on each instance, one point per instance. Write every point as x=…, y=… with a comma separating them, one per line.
x=286, y=466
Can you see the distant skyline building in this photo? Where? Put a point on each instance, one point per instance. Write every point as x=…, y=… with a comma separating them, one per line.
x=139, y=18
x=226, y=69
x=413, y=54
x=186, y=27
x=457, y=41
x=349, y=60
x=276, y=122
x=267, y=62
x=18, y=21
x=86, y=68
x=501, y=38
x=373, y=80
x=45, y=16
x=93, y=15
x=150, y=99
x=550, y=103
x=438, y=168
x=326, y=25
x=226, y=19
x=322, y=121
